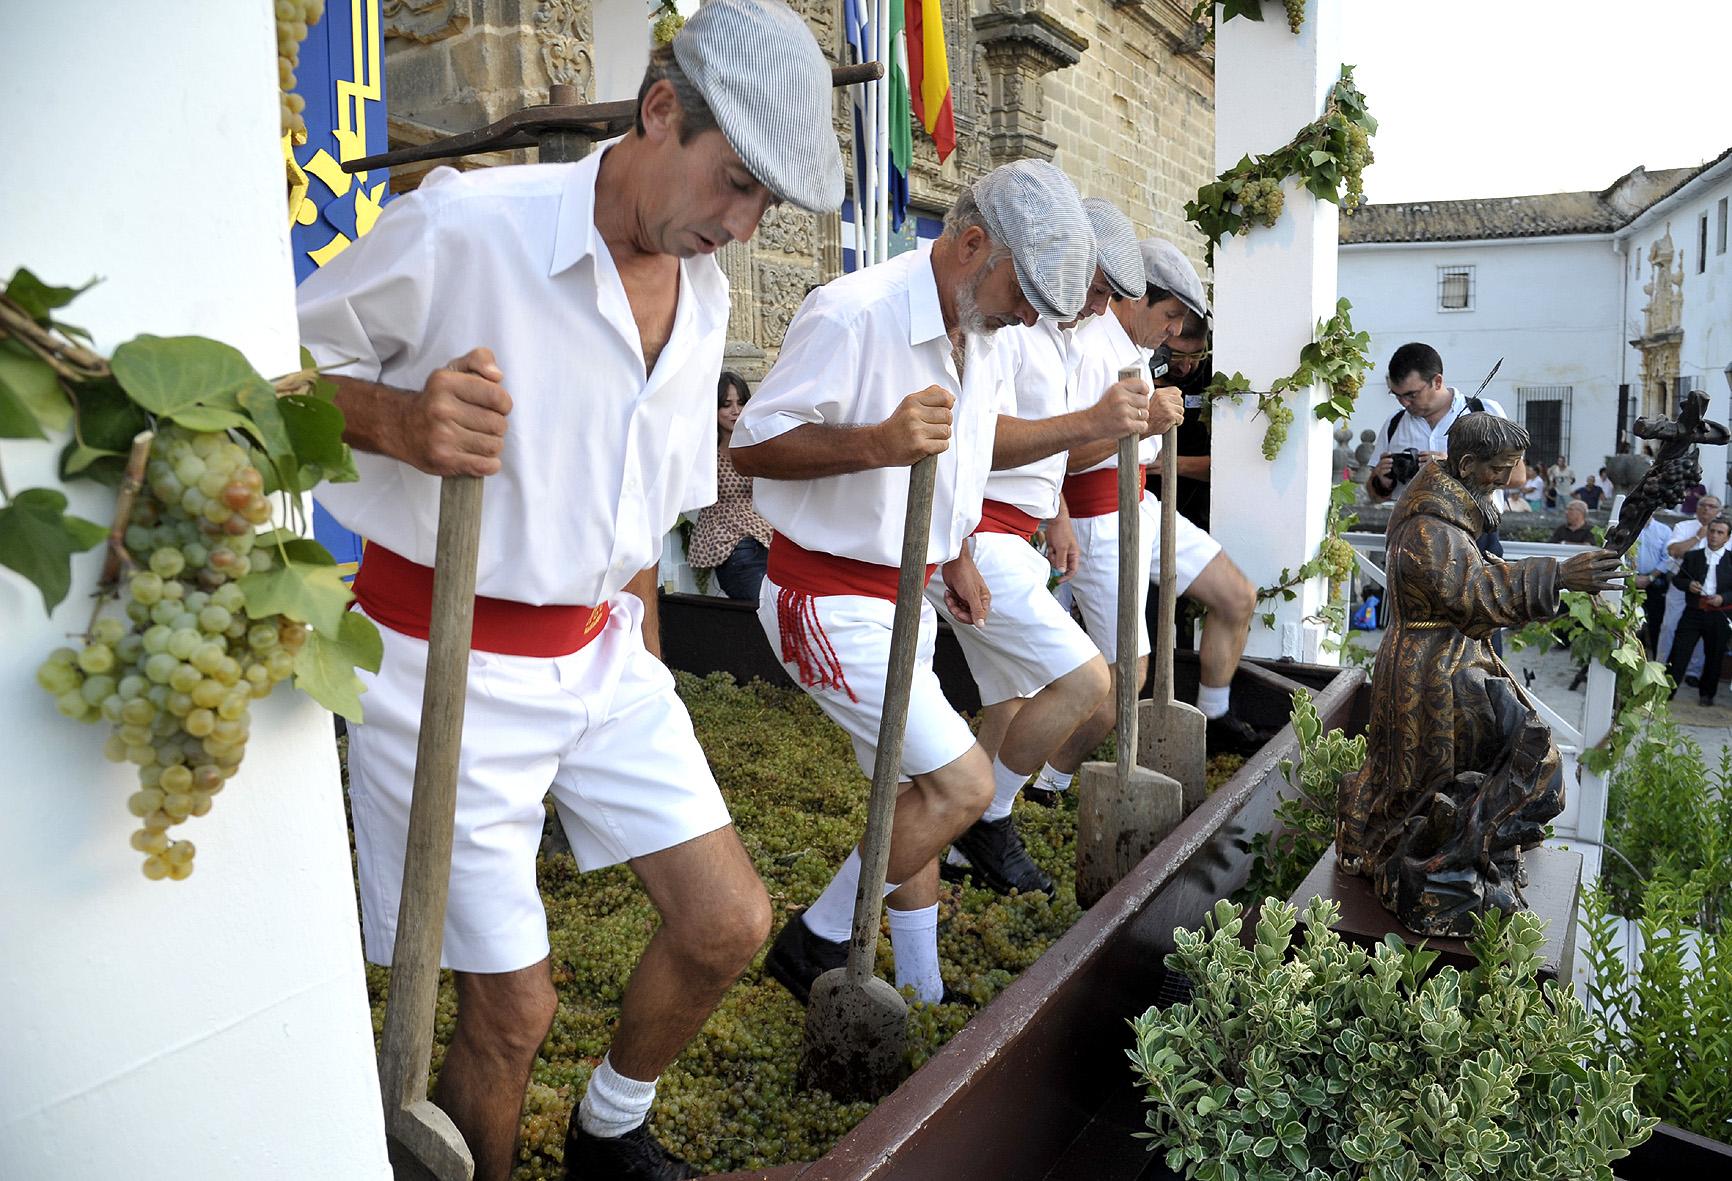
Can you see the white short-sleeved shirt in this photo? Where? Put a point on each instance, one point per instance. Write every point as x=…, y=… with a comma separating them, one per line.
x=1683, y=531
x=1413, y=431
x=857, y=347
x=1101, y=347
x=599, y=460
x=1042, y=368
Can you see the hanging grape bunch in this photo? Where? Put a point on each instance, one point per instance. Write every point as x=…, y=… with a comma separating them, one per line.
x=293, y=17
x=1295, y=14
x=668, y=23
x=176, y=684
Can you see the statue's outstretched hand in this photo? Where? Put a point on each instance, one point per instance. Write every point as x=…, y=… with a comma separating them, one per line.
x=1592, y=570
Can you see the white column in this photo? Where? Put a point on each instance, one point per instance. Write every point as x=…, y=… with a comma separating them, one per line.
x=1272, y=285
x=216, y=1027
x=622, y=48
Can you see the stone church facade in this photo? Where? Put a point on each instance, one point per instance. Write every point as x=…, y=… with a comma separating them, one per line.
x=1118, y=93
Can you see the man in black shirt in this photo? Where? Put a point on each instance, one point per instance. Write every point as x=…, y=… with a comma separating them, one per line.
x=1186, y=356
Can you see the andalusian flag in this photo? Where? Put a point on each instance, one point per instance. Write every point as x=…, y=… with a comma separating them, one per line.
x=901, y=126
x=929, y=73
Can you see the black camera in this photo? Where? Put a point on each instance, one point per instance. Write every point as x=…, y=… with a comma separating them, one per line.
x=1403, y=465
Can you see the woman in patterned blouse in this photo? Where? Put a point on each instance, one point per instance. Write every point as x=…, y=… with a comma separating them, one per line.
x=730, y=537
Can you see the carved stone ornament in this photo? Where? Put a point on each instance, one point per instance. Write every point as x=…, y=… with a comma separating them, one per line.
x=424, y=20
x=780, y=291
x=566, y=30
x=789, y=230
x=1021, y=43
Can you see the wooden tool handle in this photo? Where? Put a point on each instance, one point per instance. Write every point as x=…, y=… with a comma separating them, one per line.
x=1164, y=637
x=898, y=681
x=407, y=1040
x=1130, y=573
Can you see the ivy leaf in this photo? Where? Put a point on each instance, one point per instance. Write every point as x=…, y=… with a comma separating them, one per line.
x=31, y=380
x=77, y=459
x=107, y=418
x=38, y=298
x=38, y=539
x=312, y=594
x=16, y=420
x=325, y=667
x=297, y=548
x=259, y=400
x=315, y=430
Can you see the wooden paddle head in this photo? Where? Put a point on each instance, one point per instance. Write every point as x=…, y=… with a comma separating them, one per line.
x=1118, y=823
x=1171, y=738
x=424, y=1145
x=856, y=1037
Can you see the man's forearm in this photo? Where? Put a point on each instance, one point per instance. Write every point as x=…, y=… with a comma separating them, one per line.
x=372, y=415
x=811, y=452
x=1194, y=467
x=1088, y=454
x=645, y=587
x=1023, y=440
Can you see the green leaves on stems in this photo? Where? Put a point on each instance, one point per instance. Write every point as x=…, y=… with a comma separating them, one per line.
x=37, y=298
x=325, y=666
x=1305, y=811
x=1337, y=357
x=1328, y=157
x=1313, y=1057
x=38, y=539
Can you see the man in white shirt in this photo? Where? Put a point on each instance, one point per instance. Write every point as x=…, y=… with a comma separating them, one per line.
x=1133, y=330
x=589, y=292
x=1428, y=409
x=1653, y=577
x=865, y=385
x=1687, y=535
x=1706, y=574
x=1039, y=674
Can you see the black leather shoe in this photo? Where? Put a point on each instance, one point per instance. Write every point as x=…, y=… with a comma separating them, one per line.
x=998, y=859
x=635, y=1156
x=798, y=957
x=1230, y=735
x=1040, y=796
x=1692, y=682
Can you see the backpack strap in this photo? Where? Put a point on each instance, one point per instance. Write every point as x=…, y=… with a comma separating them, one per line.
x=1389, y=431
x=1473, y=406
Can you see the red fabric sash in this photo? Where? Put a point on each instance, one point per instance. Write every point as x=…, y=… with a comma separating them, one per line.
x=1096, y=493
x=804, y=575
x=398, y=594
x=999, y=517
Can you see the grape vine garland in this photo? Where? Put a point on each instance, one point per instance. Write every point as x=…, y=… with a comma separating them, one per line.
x=1249, y=9
x=1334, y=560
x=1328, y=156
x=219, y=607
x=1337, y=358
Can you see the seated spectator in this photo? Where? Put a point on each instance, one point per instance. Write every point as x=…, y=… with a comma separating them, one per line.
x=730, y=537
x=1575, y=529
x=1534, y=491
x=1589, y=494
x=1604, y=479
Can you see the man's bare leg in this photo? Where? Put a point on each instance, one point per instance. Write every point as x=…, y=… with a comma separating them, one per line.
x=502, y=1019
x=1231, y=599
x=1048, y=718
x=1094, y=728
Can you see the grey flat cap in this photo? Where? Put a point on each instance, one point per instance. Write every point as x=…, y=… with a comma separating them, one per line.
x=768, y=85
x=1170, y=270
x=1032, y=208
x=1116, y=247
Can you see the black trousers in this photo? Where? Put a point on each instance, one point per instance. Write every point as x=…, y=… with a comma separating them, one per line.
x=1654, y=609
x=1711, y=628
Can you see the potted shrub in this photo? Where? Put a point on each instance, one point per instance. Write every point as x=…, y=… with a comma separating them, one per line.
x=1313, y=1058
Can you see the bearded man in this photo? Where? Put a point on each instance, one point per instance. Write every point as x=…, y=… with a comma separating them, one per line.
x=1460, y=775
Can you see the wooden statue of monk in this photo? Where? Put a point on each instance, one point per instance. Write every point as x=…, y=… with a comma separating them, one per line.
x=1460, y=773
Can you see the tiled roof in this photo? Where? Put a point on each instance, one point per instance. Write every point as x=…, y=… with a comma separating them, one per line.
x=1535, y=216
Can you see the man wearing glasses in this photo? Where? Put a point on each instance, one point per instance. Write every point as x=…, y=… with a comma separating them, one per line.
x=1419, y=432
x=1186, y=355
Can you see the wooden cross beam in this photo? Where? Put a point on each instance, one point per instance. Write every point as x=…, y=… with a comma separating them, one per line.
x=561, y=118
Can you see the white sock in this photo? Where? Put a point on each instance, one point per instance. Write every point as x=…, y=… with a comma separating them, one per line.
x=1005, y=784
x=953, y=857
x=1212, y=699
x=614, y=1104
x=914, y=943
x=1053, y=779
x=832, y=915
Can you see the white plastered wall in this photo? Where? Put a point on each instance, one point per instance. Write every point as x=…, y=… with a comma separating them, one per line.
x=215, y=1028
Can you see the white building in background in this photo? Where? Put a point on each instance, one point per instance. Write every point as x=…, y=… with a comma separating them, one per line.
x=1582, y=294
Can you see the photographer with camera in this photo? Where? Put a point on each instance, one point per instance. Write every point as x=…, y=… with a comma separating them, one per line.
x=1419, y=432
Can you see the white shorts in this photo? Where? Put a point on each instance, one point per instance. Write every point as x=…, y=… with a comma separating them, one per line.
x=601, y=728
x=1095, y=585
x=857, y=628
x=1028, y=640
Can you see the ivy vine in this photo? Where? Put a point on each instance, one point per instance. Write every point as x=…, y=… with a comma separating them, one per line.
x=1333, y=560
x=1337, y=358
x=1328, y=156
x=1249, y=9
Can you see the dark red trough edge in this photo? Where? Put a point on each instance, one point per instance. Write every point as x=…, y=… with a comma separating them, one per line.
x=1007, y=1094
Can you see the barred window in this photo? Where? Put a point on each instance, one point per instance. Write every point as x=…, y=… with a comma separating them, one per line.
x=1545, y=411
x=1455, y=289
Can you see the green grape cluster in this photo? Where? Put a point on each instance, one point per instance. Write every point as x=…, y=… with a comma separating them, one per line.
x=1280, y=418
x=1295, y=14
x=177, y=683
x=1261, y=200
x=1336, y=558
x=666, y=27
x=1352, y=147
x=293, y=17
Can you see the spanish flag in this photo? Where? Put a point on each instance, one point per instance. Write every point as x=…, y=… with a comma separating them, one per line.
x=929, y=73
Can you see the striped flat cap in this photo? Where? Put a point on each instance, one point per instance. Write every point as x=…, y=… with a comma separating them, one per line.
x=1033, y=209
x=1116, y=248
x=1168, y=269
x=768, y=85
